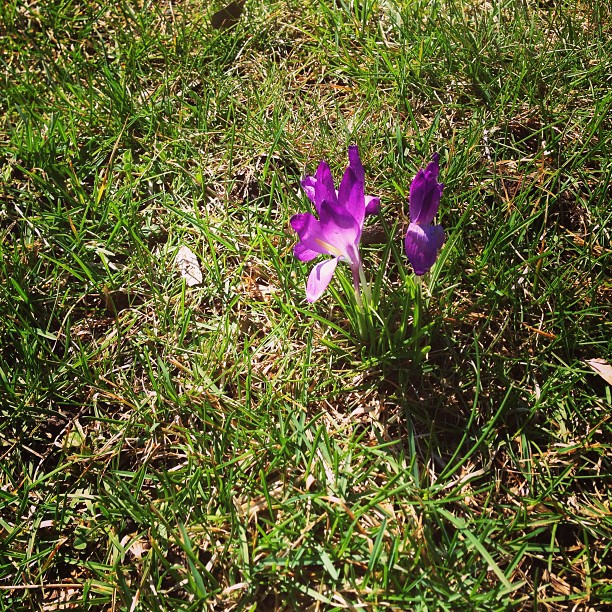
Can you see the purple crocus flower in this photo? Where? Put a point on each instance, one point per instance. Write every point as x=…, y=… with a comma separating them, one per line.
x=337, y=231
x=372, y=203
x=423, y=240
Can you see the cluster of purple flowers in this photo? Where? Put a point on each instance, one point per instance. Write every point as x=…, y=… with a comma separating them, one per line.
x=341, y=213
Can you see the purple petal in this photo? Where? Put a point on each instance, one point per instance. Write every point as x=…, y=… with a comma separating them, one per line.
x=425, y=193
x=434, y=165
x=422, y=246
x=301, y=223
x=340, y=232
x=309, y=231
x=319, y=279
x=355, y=163
x=372, y=205
x=336, y=233
x=303, y=253
x=324, y=186
x=351, y=197
x=308, y=185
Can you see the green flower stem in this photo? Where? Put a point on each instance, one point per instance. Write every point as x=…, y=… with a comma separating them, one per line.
x=357, y=275
x=418, y=283
x=366, y=287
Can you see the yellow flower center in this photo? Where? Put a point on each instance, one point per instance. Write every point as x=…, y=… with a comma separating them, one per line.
x=330, y=248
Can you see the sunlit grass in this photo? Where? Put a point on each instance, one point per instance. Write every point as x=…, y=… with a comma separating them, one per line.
x=228, y=446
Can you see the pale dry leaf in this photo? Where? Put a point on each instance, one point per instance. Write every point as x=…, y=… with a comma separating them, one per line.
x=601, y=367
x=310, y=480
x=188, y=264
x=64, y=599
x=139, y=548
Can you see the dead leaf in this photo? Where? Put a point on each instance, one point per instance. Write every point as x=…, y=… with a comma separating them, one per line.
x=188, y=264
x=601, y=367
x=75, y=436
x=228, y=16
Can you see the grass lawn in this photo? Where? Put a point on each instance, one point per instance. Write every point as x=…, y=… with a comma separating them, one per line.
x=229, y=446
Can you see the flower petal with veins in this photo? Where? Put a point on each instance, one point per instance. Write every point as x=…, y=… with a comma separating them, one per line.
x=425, y=193
x=422, y=245
x=319, y=278
x=372, y=203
